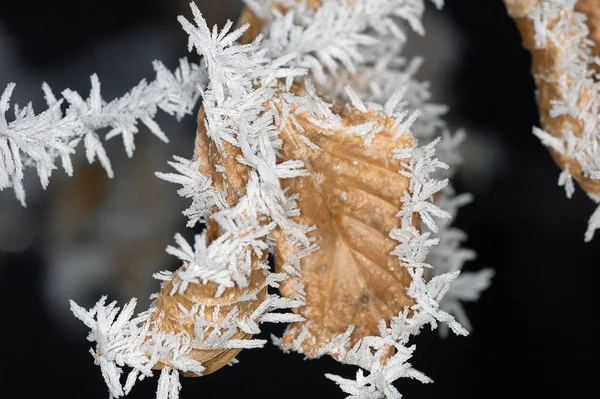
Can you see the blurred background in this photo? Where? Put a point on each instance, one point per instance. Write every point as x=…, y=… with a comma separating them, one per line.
x=87, y=235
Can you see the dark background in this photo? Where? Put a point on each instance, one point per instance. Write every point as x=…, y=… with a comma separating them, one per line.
x=535, y=329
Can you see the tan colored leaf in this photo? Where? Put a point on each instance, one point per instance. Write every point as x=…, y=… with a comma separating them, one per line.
x=546, y=67
x=169, y=317
x=352, y=196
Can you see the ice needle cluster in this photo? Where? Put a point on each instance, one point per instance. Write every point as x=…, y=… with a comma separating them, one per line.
x=349, y=52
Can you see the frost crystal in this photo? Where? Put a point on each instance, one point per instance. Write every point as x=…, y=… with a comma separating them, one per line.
x=196, y=186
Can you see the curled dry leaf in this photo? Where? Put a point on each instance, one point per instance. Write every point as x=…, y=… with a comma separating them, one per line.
x=546, y=71
x=169, y=317
x=352, y=196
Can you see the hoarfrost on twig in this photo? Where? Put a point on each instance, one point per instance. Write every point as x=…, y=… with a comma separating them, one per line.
x=39, y=139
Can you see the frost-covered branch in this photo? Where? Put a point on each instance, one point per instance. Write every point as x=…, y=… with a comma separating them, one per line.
x=37, y=140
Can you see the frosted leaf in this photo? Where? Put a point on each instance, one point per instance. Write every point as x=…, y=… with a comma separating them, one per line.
x=557, y=32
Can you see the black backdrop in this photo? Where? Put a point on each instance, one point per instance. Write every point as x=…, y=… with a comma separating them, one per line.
x=535, y=328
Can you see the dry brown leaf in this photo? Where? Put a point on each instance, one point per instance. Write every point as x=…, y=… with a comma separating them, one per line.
x=169, y=316
x=544, y=67
x=352, y=196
